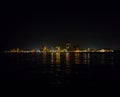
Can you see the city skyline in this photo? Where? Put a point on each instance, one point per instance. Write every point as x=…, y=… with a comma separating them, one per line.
x=58, y=49
x=65, y=45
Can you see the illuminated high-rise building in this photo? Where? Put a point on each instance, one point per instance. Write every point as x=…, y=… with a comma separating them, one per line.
x=43, y=49
x=57, y=48
x=17, y=50
x=68, y=46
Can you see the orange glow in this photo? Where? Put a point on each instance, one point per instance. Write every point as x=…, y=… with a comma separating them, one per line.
x=77, y=58
x=57, y=58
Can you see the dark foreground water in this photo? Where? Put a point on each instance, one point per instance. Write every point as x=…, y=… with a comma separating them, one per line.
x=60, y=69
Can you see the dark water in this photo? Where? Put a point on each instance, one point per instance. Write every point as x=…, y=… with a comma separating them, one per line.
x=60, y=69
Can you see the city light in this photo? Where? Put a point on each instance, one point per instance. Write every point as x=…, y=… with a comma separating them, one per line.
x=57, y=49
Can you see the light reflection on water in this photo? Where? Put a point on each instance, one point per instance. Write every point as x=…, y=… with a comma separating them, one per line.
x=61, y=68
x=67, y=59
x=77, y=58
x=44, y=58
x=72, y=58
x=57, y=58
x=86, y=58
x=52, y=58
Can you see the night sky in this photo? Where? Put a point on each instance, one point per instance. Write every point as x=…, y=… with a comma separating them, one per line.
x=31, y=25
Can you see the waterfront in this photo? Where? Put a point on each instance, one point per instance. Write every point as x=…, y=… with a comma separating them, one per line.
x=61, y=69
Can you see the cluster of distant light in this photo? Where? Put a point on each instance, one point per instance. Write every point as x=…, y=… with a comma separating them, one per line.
x=57, y=50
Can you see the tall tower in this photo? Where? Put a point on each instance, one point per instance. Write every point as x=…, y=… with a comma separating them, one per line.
x=68, y=46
